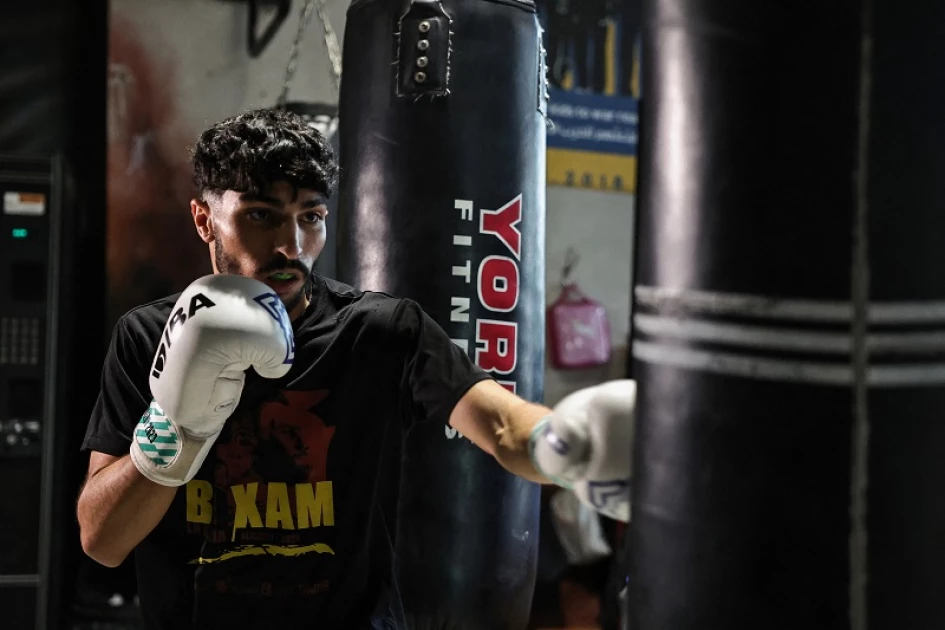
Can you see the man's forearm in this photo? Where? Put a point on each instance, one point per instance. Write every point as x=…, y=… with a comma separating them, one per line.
x=513, y=438
x=118, y=507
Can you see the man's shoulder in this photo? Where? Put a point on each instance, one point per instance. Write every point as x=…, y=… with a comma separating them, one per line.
x=350, y=303
x=148, y=319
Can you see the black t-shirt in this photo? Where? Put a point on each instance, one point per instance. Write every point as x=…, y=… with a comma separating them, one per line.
x=290, y=521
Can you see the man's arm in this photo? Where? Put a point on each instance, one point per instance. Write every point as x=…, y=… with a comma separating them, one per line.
x=194, y=392
x=583, y=443
x=500, y=423
x=117, y=508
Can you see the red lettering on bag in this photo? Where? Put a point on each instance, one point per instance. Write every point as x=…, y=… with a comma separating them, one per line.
x=502, y=224
x=496, y=345
x=498, y=284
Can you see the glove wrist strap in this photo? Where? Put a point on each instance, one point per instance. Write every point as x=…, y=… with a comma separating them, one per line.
x=165, y=454
x=542, y=446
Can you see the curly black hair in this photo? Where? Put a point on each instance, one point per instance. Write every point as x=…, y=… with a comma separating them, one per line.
x=253, y=150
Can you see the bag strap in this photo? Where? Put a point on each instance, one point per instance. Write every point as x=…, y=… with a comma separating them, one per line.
x=423, y=50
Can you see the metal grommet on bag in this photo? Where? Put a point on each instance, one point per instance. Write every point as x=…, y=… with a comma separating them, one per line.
x=423, y=57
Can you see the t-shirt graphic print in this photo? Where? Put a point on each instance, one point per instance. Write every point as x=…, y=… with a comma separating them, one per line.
x=267, y=492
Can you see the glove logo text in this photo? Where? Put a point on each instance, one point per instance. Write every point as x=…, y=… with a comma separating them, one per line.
x=274, y=306
x=558, y=445
x=177, y=319
x=608, y=496
x=150, y=432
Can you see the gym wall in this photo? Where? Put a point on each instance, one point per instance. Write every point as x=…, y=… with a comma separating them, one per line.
x=176, y=68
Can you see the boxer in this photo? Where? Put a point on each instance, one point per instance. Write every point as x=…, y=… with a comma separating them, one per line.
x=245, y=426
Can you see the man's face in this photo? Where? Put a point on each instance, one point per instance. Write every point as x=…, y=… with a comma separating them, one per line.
x=273, y=237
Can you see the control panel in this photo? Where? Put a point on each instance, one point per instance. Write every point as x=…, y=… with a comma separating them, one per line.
x=26, y=198
x=29, y=210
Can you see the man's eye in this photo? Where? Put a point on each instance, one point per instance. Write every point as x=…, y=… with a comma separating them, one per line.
x=312, y=217
x=259, y=215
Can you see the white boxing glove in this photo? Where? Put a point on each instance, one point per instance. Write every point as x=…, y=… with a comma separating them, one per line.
x=585, y=445
x=221, y=326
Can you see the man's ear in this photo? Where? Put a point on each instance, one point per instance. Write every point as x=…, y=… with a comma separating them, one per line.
x=203, y=220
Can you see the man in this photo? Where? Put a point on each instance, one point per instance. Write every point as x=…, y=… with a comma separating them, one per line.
x=250, y=495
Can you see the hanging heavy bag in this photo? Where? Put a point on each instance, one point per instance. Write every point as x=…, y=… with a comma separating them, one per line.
x=442, y=156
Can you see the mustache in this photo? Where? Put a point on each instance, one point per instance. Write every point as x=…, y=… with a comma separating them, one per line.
x=281, y=263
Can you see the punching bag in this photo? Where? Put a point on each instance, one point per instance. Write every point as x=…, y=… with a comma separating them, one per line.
x=442, y=153
x=904, y=233
x=789, y=318
x=743, y=318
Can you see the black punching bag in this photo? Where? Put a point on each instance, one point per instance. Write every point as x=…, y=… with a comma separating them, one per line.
x=790, y=317
x=742, y=315
x=442, y=152
x=903, y=160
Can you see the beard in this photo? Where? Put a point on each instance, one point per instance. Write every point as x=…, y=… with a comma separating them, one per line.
x=228, y=264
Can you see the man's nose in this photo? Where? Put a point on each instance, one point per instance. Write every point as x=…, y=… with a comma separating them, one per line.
x=289, y=240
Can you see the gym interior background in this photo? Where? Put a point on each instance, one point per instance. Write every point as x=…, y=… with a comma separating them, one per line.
x=98, y=105
x=786, y=260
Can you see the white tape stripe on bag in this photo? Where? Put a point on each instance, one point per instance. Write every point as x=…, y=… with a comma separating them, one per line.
x=742, y=334
x=781, y=338
x=769, y=307
x=786, y=370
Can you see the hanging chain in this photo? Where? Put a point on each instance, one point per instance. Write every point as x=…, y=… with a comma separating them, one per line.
x=292, y=66
x=331, y=44
x=571, y=260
